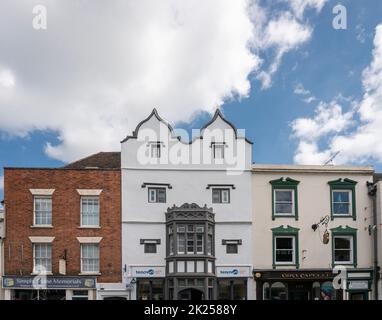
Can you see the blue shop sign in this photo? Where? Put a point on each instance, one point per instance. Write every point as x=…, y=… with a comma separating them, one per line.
x=48, y=282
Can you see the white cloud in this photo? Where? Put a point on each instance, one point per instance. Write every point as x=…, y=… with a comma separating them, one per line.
x=361, y=144
x=328, y=118
x=7, y=79
x=282, y=34
x=1, y=182
x=300, y=90
x=99, y=68
x=299, y=6
x=309, y=99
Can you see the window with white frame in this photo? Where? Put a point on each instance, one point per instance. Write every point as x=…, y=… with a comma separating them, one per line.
x=157, y=195
x=42, y=257
x=283, y=202
x=341, y=202
x=42, y=211
x=155, y=149
x=220, y=195
x=190, y=239
x=90, y=211
x=343, y=249
x=90, y=258
x=285, y=249
x=218, y=150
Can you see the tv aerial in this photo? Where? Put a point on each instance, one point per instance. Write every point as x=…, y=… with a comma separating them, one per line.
x=330, y=160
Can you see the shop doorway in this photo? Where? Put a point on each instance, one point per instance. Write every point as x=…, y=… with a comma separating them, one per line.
x=359, y=295
x=299, y=295
x=190, y=294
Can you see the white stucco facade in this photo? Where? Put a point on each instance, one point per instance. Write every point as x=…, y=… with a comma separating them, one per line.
x=313, y=203
x=189, y=182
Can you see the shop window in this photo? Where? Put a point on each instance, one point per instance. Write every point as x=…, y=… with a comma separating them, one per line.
x=42, y=211
x=316, y=288
x=90, y=211
x=80, y=295
x=266, y=291
x=327, y=291
x=232, y=289
x=150, y=289
x=278, y=291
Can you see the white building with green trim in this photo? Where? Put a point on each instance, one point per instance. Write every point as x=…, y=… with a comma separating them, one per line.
x=308, y=221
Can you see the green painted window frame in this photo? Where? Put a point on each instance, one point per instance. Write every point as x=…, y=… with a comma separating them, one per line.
x=287, y=184
x=347, y=231
x=343, y=184
x=288, y=231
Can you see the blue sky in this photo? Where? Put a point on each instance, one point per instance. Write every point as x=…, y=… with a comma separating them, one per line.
x=329, y=65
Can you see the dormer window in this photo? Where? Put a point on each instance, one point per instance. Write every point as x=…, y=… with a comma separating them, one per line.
x=218, y=150
x=155, y=149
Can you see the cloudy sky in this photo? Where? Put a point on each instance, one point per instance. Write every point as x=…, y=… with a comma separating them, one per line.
x=301, y=89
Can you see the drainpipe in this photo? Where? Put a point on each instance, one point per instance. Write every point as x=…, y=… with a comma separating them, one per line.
x=372, y=191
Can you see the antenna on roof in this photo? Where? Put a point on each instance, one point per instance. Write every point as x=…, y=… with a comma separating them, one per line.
x=330, y=160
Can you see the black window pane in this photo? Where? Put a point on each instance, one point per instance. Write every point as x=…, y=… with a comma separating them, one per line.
x=216, y=196
x=341, y=243
x=284, y=243
x=161, y=195
x=150, y=248
x=232, y=248
x=284, y=195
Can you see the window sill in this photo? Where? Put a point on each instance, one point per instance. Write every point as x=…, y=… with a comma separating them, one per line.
x=42, y=274
x=89, y=227
x=344, y=264
x=284, y=216
x=89, y=274
x=342, y=216
x=41, y=226
x=285, y=265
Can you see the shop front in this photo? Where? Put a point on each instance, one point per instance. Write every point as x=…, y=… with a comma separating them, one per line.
x=312, y=284
x=296, y=285
x=359, y=283
x=49, y=288
x=232, y=282
x=147, y=282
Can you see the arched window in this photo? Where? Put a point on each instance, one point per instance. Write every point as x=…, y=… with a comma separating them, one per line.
x=278, y=291
x=266, y=291
x=316, y=290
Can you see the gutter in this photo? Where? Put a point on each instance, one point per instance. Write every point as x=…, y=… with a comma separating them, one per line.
x=372, y=191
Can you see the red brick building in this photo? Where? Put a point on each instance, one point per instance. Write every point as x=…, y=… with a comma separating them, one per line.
x=63, y=224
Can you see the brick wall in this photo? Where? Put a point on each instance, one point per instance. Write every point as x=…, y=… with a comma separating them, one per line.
x=18, y=249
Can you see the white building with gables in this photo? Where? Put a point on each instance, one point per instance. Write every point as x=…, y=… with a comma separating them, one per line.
x=186, y=212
